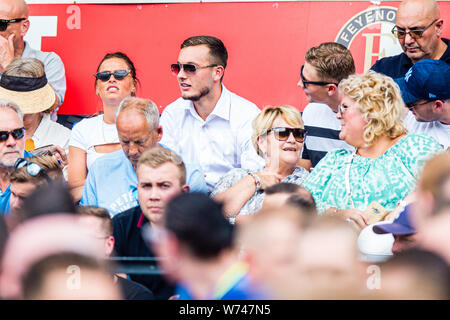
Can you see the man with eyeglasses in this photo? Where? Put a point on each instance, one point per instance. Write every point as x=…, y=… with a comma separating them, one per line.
x=418, y=29
x=12, y=144
x=209, y=125
x=325, y=66
x=426, y=92
x=14, y=25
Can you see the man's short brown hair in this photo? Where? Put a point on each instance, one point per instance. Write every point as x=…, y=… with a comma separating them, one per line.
x=157, y=156
x=332, y=61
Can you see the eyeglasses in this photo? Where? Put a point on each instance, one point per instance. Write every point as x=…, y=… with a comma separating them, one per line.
x=415, y=105
x=414, y=33
x=4, y=23
x=282, y=133
x=32, y=168
x=319, y=83
x=188, y=68
x=105, y=75
x=16, y=134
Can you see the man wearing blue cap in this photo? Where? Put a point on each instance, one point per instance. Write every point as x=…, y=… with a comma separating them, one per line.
x=402, y=229
x=426, y=92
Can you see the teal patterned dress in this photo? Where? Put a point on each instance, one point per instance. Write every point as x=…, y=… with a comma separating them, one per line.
x=386, y=179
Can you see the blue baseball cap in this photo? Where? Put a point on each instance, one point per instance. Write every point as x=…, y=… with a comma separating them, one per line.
x=426, y=80
x=400, y=226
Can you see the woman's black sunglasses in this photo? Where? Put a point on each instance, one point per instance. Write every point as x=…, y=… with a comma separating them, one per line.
x=16, y=134
x=105, y=75
x=282, y=133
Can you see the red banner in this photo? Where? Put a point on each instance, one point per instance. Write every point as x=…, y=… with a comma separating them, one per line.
x=266, y=42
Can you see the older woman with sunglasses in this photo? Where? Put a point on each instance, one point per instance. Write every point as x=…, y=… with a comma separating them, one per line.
x=383, y=168
x=93, y=137
x=278, y=135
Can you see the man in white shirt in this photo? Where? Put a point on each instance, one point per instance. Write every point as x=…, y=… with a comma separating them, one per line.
x=209, y=125
x=325, y=66
x=426, y=92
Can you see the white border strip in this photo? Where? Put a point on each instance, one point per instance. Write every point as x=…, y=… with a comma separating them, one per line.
x=185, y=1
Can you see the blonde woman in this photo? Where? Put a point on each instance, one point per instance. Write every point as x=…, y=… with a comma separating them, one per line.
x=383, y=169
x=278, y=136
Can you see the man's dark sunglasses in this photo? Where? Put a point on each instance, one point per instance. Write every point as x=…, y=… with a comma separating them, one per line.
x=32, y=168
x=187, y=67
x=319, y=83
x=16, y=134
x=282, y=133
x=105, y=75
x=413, y=33
x=4, y=23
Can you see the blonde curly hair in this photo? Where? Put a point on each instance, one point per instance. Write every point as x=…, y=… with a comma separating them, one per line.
x=380, y=102
x=267, y=116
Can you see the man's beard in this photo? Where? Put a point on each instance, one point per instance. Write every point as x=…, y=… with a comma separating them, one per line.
x=202, y=93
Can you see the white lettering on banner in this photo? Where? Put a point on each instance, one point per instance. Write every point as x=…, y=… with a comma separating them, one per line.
x=41, y=26
x=74, y=20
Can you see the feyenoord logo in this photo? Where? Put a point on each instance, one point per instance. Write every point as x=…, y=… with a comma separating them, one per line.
x=369, y=34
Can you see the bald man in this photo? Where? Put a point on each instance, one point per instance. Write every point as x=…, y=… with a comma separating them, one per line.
x=419, y=30
x=14, y=25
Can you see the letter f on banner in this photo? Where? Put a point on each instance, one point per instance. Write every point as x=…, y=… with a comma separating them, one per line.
x=369, y=54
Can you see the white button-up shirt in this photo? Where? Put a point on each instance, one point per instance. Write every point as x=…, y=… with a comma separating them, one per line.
x=219, y=143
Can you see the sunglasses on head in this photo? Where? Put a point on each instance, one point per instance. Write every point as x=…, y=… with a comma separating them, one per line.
x=4, y=23
x=187, y=67
x=318, y=83
x=415, y=33
x=16, y=134
x=32, y=168
x=282, y=133
x=105, y=75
